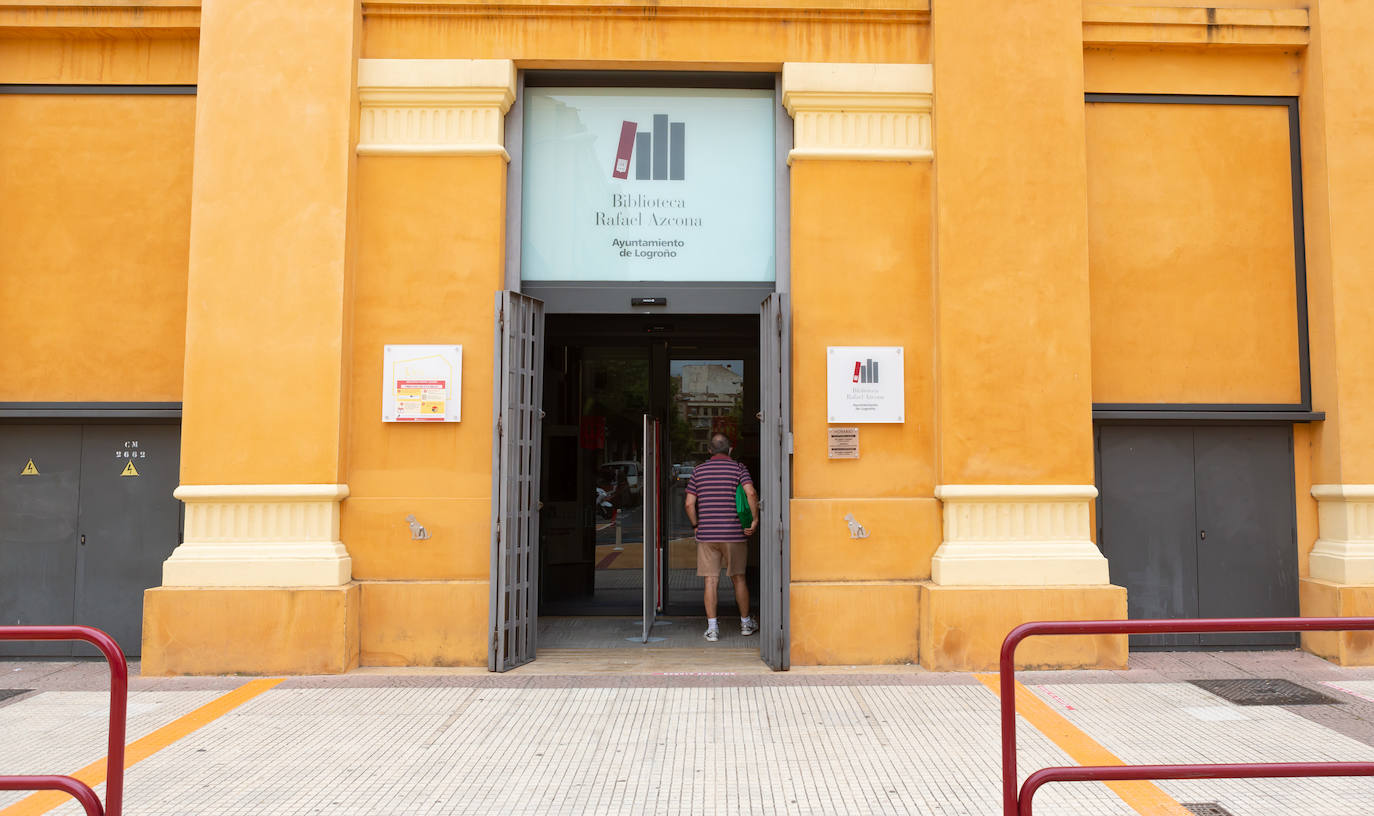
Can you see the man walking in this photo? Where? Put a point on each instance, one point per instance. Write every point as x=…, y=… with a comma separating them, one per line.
x=720, y=536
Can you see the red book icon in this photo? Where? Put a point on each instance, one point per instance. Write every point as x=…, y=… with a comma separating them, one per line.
x=622, y=153
x=856, y=371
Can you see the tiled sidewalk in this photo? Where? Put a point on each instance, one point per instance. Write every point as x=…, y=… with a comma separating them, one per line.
x=873, y=740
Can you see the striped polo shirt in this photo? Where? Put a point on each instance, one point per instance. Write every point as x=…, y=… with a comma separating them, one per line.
x=713, y=482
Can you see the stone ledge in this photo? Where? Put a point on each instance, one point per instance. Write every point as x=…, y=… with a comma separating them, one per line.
x=1109, y=24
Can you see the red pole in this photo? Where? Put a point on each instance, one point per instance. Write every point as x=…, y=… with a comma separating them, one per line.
x=1007, y=663
x=77, y=789
x=119, y=703
x=1130, y=773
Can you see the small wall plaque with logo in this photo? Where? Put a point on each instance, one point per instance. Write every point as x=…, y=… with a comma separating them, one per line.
x=865, y=384
x=844, y=443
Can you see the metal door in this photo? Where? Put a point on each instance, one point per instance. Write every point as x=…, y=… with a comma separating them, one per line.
x=38, y=531
x=1147, y=523
x=129, y=524
x=518, y=368
x=1247, y=564
x=651, y=488
x=1199, y=522
x=775, y=478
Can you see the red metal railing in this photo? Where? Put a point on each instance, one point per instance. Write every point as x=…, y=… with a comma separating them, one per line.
x=119, y=706
x=1014, y=805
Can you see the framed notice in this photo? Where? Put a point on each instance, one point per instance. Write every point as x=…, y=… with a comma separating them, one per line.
x=865, y=384
x=422, y=383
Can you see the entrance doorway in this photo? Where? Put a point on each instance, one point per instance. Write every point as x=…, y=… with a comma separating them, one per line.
x=604, y=514
x=599, y=419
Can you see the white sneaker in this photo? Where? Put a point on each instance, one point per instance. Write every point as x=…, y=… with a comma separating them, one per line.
x=713, y=634
x=749, y=627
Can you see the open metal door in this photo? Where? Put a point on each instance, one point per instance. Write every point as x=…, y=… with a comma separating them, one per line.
x=651, y=486
x=775, y=478
x=518, y=388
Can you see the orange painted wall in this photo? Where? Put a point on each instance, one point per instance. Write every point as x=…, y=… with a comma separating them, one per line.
x=1242, y=72
x=1191, y=254
x=673, y=34
x=96, y=212
x=129, y=60
x=861, y=275
x=430, y=260
x=1014, y=385
x=269, y=269
x=1338, y=193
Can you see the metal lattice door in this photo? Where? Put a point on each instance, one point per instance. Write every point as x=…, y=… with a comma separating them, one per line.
x=518, y=389
x=775, y=478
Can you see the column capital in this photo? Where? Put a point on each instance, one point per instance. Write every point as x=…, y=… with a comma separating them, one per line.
x=434, y=107
x=1017, y=535
x=260, y=535
x=1344, y=552
x=859, y=111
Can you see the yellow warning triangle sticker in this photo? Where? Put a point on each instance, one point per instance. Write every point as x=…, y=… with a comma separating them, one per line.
x=29, y=469
x=130, y=470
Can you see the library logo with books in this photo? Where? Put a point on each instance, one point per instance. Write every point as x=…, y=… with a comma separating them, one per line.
x=658, y=154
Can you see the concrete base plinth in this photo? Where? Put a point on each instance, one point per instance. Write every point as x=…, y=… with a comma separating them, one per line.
x=1324, y=599
x=250, y=630
x=962, y=627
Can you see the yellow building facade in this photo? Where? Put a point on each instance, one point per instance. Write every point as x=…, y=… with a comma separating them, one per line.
x=1113, y=242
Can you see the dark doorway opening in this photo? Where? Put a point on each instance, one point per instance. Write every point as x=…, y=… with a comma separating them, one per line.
x=602, y=375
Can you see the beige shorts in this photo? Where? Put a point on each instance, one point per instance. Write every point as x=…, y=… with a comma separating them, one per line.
x=712, y=555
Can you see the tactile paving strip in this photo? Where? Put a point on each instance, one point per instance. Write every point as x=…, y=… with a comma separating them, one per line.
x=1263, y=692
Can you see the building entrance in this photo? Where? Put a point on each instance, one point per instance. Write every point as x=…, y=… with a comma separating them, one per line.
x=608, y=509
x=599, y=420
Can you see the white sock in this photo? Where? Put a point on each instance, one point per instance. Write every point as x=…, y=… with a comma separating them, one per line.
x=712, y=623
x=746, y=619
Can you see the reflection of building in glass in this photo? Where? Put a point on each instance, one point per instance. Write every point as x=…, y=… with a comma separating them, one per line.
x=708, y=398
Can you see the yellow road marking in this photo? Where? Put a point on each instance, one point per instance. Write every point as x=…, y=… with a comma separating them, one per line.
x=1145, y=798
x=144, y=747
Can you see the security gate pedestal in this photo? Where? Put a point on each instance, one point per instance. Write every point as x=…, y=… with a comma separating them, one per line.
x=651, y=484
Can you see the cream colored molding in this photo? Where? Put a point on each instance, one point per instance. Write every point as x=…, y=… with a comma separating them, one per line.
x=260, y=535
x=867, y=112
x=1344, y=552
x=439, y=107
x=1108, y=24
x=823, y=12
x=1017, y=535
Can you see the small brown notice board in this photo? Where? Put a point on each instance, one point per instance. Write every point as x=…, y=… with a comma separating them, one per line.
x=844, y=443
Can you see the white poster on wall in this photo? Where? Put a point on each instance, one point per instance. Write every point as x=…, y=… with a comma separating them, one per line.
x=422, y=383
x=865, y=384
x=631, y=184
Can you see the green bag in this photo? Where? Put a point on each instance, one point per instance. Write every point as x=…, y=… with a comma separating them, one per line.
x=746, y=518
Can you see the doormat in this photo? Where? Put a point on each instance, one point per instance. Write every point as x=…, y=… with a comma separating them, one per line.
x=1263, y=692
x=1206, y=809
x=5, y=694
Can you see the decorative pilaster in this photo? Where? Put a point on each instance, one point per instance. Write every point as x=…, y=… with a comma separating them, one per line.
x=865, y=112
x=1017, y=535
x=1344, y=552
x=434, y=107
x=260, y=536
